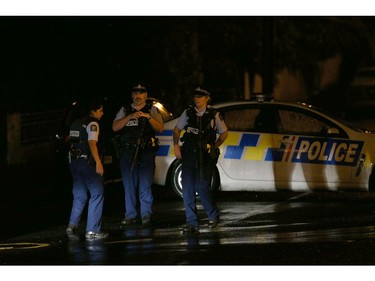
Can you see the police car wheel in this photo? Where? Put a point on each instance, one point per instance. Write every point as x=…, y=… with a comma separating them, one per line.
x=176, y=182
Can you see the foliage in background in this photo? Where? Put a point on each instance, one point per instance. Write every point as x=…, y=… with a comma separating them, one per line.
x=49, y=61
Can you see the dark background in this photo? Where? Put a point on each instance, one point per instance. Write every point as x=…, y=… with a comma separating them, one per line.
x=48, y=61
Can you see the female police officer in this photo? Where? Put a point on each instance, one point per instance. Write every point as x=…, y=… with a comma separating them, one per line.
x=87, y=172
x=199, y=154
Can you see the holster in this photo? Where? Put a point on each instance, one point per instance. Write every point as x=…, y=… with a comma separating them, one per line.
x=75, y=153
x=120, y=146
x=214, y=154
x=153, y=143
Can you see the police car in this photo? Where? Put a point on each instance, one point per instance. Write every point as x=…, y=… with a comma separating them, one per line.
x=280, y=146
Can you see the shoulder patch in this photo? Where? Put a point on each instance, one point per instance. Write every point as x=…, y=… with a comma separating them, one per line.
x=93, y=128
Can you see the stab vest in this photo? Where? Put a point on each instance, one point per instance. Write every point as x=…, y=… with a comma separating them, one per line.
x=199, y=129
x=79, y=137
x=137, y=128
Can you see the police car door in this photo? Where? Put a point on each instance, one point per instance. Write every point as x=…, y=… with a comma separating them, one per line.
x=244, y=151
x=306, y=156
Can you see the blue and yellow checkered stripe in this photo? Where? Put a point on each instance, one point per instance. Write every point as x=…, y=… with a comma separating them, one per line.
x=238, y=145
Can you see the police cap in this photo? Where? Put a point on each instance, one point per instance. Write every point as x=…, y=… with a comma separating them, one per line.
x=139, y=89
x=200, y=92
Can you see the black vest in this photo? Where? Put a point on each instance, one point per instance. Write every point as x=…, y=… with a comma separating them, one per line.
x=137, y=128
x=198, y=129
x=79, y=137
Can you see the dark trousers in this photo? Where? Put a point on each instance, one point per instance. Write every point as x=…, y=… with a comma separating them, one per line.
x=196, y=181
x=138, y=183
x=87, y=188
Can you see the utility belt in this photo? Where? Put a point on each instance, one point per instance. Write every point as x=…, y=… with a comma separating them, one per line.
x=189, y=148
x=145, y=143
x=209, y=150
x=75, y=157
x=77, y=153
x=122, y=146
x=127, y=145
x=193, y=147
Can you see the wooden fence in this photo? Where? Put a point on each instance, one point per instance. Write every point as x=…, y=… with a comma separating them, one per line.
x=31, y=137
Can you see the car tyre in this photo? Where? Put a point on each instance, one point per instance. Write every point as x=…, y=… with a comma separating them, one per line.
x=176, y=182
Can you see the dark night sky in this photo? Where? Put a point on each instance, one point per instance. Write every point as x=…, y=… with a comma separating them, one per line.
x=53, y=59
x=69, y=56
x=49, y=61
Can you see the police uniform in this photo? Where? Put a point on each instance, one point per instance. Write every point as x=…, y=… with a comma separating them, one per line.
x=198, y=161
x=85, y=179
x=138, y=172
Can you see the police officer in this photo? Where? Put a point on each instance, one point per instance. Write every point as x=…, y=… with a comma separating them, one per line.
x=87, y=172
x=137, y=124
x=199, y=154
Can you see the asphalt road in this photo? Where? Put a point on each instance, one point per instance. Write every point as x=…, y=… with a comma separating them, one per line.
x=279, y=228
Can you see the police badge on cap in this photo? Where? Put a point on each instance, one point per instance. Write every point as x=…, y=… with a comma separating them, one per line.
x=200, y=92
x=139, y=89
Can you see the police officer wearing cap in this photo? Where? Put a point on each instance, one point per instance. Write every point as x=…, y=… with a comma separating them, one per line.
x=205, y=131
x=87, y=172
x=137, y=124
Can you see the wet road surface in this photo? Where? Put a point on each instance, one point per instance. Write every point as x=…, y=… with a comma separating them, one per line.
x=280, y=228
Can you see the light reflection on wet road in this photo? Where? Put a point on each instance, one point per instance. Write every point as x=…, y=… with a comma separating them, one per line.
x=311, y=228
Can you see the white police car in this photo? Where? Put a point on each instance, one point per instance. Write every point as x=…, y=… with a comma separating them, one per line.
x=280, y=146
